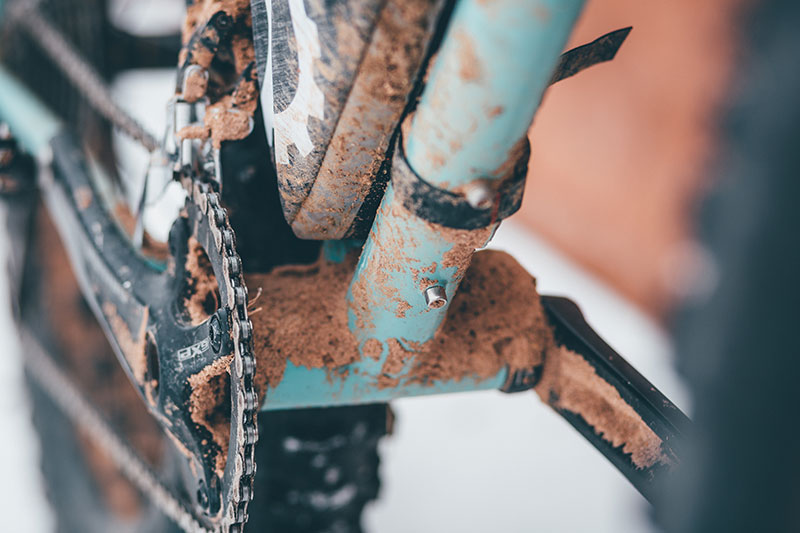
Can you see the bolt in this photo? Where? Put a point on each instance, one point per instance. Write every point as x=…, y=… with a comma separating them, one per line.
x=479, y=195
x=214, y=334
x=435, y=297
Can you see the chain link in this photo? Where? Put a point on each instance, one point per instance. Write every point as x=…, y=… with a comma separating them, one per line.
x=244, y=413
x=78, y=70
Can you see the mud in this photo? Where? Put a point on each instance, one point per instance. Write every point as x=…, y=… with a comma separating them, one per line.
x=199, y=11
x=224, y=122
x=494, y=320
x=375, y=103
x=393, y=251
x=202, y=292
x=469, y=66
x=465, y=244
x=304, y=319
x=83, y=197
x=131, y=343
x=569, y=382
x=195, y=85
x=194, y=131
x=207, y=411
x=234, y=97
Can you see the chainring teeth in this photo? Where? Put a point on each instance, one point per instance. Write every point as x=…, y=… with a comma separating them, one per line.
x=240, y=466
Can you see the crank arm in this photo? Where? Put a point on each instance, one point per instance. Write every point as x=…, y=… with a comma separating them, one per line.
x=654, y=410
x=140, y=305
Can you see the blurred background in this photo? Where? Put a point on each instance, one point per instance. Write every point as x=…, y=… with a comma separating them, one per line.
x=620, y=158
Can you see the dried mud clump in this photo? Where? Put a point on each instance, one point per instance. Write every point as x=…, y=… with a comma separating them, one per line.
x=302, y=318
x=131, y=343
x=234, y=96
x=202, y=291
x=210, y=407
x=570, y=382
x=495, y=320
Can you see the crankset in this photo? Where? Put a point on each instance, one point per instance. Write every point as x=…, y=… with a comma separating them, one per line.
x=180, y=329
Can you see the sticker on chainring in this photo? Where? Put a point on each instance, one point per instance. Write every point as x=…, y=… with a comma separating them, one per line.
x=194, y=350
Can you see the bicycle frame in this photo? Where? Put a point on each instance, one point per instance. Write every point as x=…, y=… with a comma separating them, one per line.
x=515, y=46
x=456, y=173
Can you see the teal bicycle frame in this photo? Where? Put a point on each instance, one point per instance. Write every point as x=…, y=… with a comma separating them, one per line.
x=486, y=82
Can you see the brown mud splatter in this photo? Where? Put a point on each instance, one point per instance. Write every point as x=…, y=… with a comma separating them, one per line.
x=570, y=382
x=494, y=320
x=209, y=406
x=131, y=343
x=469, y=68
x=230, y=116
x=202, y=299
x=304, y=319
x=371, y=112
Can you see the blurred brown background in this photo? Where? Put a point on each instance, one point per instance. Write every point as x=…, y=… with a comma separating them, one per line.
x=619, y=152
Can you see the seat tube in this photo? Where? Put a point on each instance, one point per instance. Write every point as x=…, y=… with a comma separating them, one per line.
x=459, y=167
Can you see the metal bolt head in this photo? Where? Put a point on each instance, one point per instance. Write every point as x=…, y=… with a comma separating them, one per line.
x=435, y=297
x=479, y=195
x=215, y=334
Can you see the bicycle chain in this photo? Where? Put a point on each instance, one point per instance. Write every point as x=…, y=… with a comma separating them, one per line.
x=244, y=400
x=79, y=72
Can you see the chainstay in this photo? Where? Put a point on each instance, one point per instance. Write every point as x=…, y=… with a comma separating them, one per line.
x=244, y=399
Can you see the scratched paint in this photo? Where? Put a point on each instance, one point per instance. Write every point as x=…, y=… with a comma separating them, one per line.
x=483, y=89
x=485, y=85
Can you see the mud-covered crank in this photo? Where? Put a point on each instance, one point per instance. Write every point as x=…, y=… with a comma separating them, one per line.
x=179, y=328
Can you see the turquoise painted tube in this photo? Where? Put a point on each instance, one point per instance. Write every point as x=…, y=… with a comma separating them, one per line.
x=31, y=123
x=314, y=387
x=460, y=168
x=485, y=86
x=383, y=371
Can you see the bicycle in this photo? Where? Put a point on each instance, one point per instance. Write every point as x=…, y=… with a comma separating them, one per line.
x=205, y=355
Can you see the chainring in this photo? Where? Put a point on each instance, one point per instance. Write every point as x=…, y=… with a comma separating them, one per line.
x=208, y=222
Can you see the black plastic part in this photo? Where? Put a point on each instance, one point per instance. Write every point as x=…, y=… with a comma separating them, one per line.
x=264, y=239
x=660, y=414
x=600, y=50
x=128, y=292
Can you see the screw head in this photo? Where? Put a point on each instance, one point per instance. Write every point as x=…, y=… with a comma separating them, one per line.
x=479, y=195
x=215, y=334
x=435, y=297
